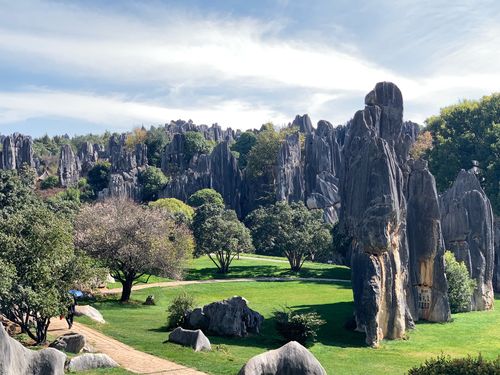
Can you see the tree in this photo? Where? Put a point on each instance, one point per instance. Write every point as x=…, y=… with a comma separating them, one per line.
x=460, y=285
x=133, y=241
x=469, y=130
x=36, y=250
x=137, y=136
x=16, y=189
x=243, y=145
x=49, y=183
x=178, y=209
x=291, y=230
x=222, y=237
x=65, y=203
x=98, y=176
x=195, y=143
x=153, y=181
x=206, y=196
x=422, y=145
x=156, y=141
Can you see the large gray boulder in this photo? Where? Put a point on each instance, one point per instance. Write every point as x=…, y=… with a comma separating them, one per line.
x=15, y=359
x=69, y=167
x=69, y=342
x=373, y=210
x=467, y=221
x=290, y=359
x=89, y=312
x=91, y=361
x=230, y=317
x=195, y=339
x=428, y=292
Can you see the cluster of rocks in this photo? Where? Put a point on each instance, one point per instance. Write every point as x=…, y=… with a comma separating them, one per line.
x=17, y=150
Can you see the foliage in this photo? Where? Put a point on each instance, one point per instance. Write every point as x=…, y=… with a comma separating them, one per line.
x=132, y=240
x=38, y=246
x=261, y=167
x=291, y=230
x=293, y=326
x=460, y=285
x=243, y=145
x=86, y=192
x=153, y=181
x=49, y=183
x=445, y=365
x=222, y=237
x=137, y=136
x=178, y=209
x=16, y=189
x=195, y=143
x=206, y=196
x=98, y=176
x=422, y=145
x=469, y=130
x=180, y=306
x=65, y=203
x=156, y=141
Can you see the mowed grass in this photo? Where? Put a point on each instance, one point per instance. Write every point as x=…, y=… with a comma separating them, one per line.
x=204, y=269
x=340, y=351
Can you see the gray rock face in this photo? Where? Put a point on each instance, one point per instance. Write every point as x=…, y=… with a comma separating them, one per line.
x=91, y=361
x=18, y=360
x=69, y=167
x=496, y=274
x=290, y=359
x=90, y=312
x=69, y=342
x=374, y=211
x=231, y=317
x=428, y=292
x=290, y=184
x=17, y=150
x=88, y=155
x=303, y=123
x=467, y=221
x=195, y=339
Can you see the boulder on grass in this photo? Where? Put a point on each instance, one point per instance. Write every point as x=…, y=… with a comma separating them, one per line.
x=195, y=339
x=91, y=361
x=16, y=359
x=230, y=317
x=290, y=359
x=90, y=312
x=69, y=342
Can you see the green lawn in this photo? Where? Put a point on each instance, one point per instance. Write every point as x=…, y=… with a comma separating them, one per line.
x=203, y=269
x=340, y=351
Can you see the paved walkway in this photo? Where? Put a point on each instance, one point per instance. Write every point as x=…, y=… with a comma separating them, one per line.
x=127, y=357
x=214, y=281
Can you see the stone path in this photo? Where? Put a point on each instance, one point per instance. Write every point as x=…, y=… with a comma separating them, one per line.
x=213, y=281
x=127, y=357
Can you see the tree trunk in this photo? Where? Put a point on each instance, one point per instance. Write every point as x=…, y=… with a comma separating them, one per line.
x=42, y=326
x=127, y=288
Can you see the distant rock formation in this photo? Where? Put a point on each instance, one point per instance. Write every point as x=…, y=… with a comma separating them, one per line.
x=69, y=167
x=428, y=292
x=468, y=230
x=496, y=270
x=290, y=184
x=88, y=155
x=17, y=150
x=374, y=211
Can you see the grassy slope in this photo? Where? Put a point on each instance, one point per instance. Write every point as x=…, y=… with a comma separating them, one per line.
x=203, y=269
x=340, y=351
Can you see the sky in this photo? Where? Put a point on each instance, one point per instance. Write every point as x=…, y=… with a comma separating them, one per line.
x=78, y=67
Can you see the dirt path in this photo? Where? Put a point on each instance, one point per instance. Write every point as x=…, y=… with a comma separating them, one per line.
x=213, y=281
x=126, y=356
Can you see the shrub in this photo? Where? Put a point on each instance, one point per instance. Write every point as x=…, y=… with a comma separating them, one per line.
x=196, y=144
x=293, y=326
x=445, y=365
x=98, y=176
x=181, y=305
x=153, y=181
x=206, y=196
x=178, y=209
x=49, y=183
x=460, y=285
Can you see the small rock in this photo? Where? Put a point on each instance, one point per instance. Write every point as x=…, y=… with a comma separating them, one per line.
x=195, y=339
x=290, y=359
x=90, y=361
x=150, y=301
x=69, y=342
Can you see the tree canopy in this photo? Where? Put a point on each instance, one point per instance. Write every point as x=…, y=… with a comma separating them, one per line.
x=177, y=208
x=243, y=146
x=196, y=144
x=153, y=181
x=206, y=196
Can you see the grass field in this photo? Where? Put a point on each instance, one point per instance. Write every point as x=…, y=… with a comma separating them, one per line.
x=203, y=269
x=339, y=350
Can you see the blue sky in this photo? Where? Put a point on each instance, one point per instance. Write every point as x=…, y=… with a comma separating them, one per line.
x=78, y=67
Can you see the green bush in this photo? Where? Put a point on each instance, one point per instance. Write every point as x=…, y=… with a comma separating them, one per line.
x=98, y=176
x=196, y=144
x=293, y=326
x=460, y=285
x=49, y=183
x=181, y=305
x=206, y=196
x=153, y=181
x=445, y=365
